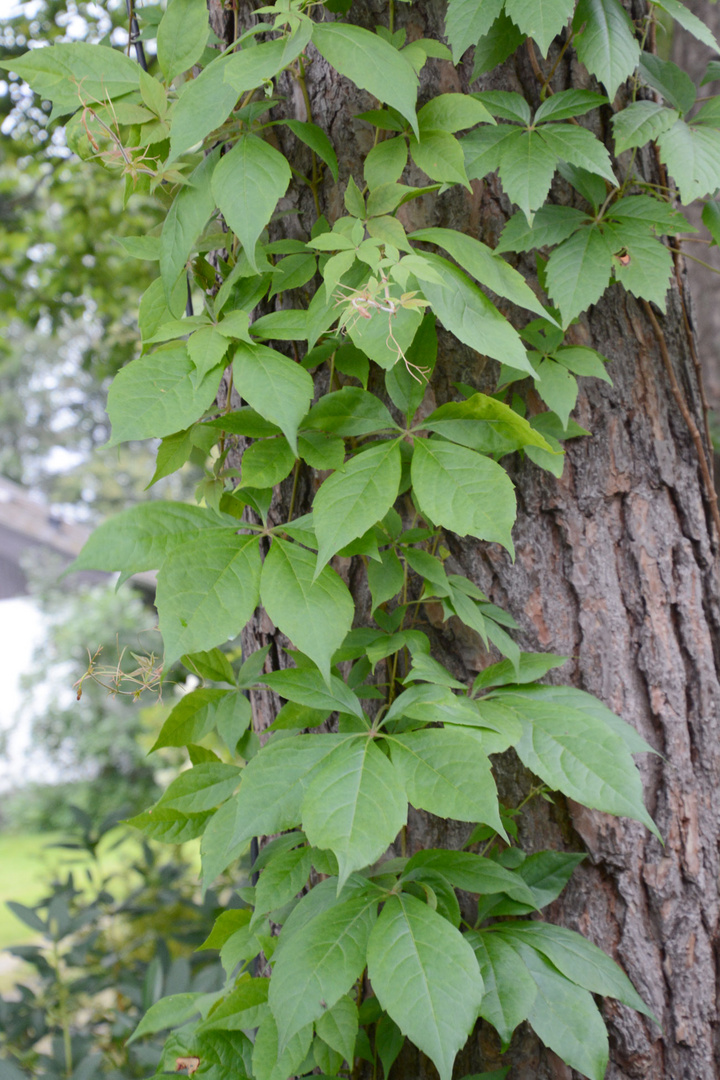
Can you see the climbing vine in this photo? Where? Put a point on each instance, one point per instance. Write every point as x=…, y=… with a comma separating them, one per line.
x=312, y=356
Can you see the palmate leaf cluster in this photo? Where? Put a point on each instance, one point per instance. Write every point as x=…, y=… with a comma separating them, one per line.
x=374, y=946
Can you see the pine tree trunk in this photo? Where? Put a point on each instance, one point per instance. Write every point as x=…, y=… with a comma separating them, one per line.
x=616, y=569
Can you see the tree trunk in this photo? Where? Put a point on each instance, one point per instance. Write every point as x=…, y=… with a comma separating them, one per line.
x=616, y=569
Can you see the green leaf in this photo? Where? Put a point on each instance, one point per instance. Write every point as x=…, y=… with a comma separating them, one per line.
x=181, y=36
x=271, y=1063
x=426, y=977
x=282, y=880
x=542, y=20
x=692, y=156
x=385, y=162
x=606, y=42
x=473, y=873
x=206, y=592
x=578, y=960
x=467, y=21
x=495, y=47
x=386, y=337
x=371, y=63
x=170, y=826
x=167, y=1013
x=338, y=1027
x=484, y=424
x=355, y=806
x=186, y=219
x=668, y=79
x=486, y=267
x=547, y=873
x=531, y=666
x=463, y=491
x=314, y=612
x=567, y=104
x=213, y=665
x=155, y=396
x=506, y=104
x=141, y=537
x=527, y=166
x=468, y=314
x=448, y=774
x=206, y=348
x=276, y=387
x=711, y=220
x=315, y=967
x=565, y=1017
x=197, y=714
x=266, y=463
x=578, y=272
x=200, y=788
x=510, y=991
x=578, y=146
x=348, y=412
x=646, y=265
x=639, y=123
x=551, y=225
x=482, y=149
x=690, y=22
x=305, y=686
x=76, y=73
x=314, y=137
x=355, y=497
x=581, y=756
x=452, y=112
x=246, y=185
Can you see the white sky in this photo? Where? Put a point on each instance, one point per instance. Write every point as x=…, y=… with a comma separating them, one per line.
x=21, y=630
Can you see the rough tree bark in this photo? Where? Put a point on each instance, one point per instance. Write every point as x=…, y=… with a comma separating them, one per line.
x=616, y=568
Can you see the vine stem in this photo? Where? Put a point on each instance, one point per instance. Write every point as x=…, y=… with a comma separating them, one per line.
x=687, y=417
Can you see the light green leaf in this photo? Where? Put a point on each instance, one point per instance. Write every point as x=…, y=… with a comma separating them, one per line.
x=448, y=774
x=452, y=112
x=578, y=272
x=542, y=20
x=305, y=686
x=314, y=137
x=371, y=63
x=169, y=826
x=506, y=105
x=355, y=806
x=566, y=1018
x=141, y=537
x=282, y=880
x=482, y=423
x=463, y=491
x=468, y=314
x=581, y=756
x=201, y=787
x=76, y=73
x=386, y=337
x=551, y=225
x=355, y=497
x=690, y=22
x=186, y=219
x=314, y=968
x=385, y=162
x=181, y=36
x=578, y=146
x=167, y=1013
x=271, y=1063
x=556, y=386
x=276, y=387
x=473, y=873
x=155, y=396
x=527, y=166
x=646, y=265
x=531, y=666
x=315, y=612
x=467, y=21
x=668, y=79
x=567, y=104
x=605, y=42
x=692, y=156
x=246, y=185
x=287, y=325
x=509, y=989
x=206, y=592
x=482, y=149
x=197, y=714
x=338, y=1027
x=639, y=123
x=266, y=463
x=426, y=977
x=486, y=267
x=577, y=959
x=141, y=247
x=206, y=348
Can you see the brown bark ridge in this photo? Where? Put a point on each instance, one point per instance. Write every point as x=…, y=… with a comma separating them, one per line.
x=615, y=568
